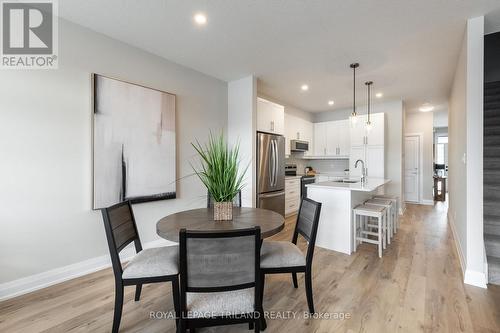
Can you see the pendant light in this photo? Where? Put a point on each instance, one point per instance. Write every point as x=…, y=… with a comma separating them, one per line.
x=354, y=115
x=368, y=125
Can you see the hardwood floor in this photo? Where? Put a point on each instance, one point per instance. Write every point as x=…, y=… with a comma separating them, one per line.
x=416, y=286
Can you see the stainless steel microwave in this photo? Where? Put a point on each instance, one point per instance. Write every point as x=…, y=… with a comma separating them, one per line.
x=299, y=146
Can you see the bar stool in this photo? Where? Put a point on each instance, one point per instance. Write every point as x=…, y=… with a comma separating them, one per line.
x=361, y=234
x=395, y=201
x=390, y=215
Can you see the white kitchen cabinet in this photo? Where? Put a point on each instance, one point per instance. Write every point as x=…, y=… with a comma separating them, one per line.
x=292, y=195
x=319, y=139
x=357, y=153
x=358, y=131
x=368, y=146
x=344, y=139
x=331, y=138
x=375, y=161
x=306, y=134
x=375, y=137
x=298, y=129
x=270, y=117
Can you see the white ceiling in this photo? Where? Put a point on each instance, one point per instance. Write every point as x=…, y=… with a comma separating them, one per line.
x=408, y=48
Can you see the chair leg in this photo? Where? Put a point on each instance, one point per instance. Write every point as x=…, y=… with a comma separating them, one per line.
x=262, y=321
x=309, y=292
x=256, y=326
x=138, y=289
x=118, y=307
x=175, y=295
x=262, y=282
x=380, y=236
x=294, y=278
x=182, y=326
x=251, y=326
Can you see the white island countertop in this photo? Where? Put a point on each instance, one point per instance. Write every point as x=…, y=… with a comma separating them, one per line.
x=370, y=185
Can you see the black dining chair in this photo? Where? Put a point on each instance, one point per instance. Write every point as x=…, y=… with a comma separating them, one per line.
x=279, y=257
x=147, y=266
x=236, y=200
x=220, y=278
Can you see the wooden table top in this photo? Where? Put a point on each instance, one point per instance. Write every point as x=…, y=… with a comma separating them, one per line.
x=269, y=221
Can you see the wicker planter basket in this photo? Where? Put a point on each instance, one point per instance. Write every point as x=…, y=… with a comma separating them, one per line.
x=223, y=211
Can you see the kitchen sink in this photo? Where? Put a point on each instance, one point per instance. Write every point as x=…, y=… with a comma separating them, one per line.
x=347, y=181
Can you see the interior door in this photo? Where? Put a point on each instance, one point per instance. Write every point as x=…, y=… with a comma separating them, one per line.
x=412, y=168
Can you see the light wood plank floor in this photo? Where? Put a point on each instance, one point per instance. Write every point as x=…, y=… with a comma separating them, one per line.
x=417, y=286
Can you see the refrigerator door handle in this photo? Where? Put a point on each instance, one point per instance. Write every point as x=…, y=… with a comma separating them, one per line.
x=270, y=167
x=273, y=161
x=272, y=195
x=275, y=143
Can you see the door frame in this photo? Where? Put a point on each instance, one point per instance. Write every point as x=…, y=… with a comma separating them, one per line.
x=420, y=166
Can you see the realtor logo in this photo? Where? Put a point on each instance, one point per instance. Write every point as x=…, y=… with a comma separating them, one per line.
x=29, y=34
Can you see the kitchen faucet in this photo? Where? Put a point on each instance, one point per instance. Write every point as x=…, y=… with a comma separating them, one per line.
x=363, y=170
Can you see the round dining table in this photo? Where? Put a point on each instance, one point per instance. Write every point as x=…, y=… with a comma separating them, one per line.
x=270, y=222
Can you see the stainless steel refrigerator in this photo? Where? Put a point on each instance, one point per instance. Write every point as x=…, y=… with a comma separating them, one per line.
x=271, y=172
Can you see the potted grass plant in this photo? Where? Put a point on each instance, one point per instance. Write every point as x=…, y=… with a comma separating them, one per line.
x=219, y=172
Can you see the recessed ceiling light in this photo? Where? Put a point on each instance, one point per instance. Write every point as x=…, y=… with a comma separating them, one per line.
x=200, y=19
x=331, y=102
x=426, y=107
x=379, y=95
x=304, y=87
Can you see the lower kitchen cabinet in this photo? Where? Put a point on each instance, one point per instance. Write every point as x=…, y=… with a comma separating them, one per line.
x=292, y=195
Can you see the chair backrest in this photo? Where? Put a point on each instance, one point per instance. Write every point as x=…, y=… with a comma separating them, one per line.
x=307, y=224
x=212, y=261
x=236, y=200
x=121, y=230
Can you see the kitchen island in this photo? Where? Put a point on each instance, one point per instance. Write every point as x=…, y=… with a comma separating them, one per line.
x=335, y=228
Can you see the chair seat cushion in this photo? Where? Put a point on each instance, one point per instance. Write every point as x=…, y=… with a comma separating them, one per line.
x=280, y=254
x=207, y=305
x=153, y=262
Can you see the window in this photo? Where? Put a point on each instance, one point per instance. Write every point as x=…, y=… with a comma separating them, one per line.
x=442, y=139
x=440, y=159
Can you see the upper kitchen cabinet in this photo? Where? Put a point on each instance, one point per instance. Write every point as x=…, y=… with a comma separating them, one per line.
x=331, y=139
x=270, y=117
x=297, y=128
x=368, y=146
x=375, y=137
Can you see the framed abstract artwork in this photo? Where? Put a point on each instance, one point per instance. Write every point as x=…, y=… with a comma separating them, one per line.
x=134, y=143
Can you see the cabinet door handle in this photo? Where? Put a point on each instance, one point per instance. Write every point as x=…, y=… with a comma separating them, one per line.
x=272, y=126
x=298, y=135
x=324, y=151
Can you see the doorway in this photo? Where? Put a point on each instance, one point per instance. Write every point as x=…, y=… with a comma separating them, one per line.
x=413, y=167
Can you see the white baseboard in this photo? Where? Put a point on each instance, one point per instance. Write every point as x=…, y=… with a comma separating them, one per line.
x=458, y=246
x=45, y=279
x=473, y=278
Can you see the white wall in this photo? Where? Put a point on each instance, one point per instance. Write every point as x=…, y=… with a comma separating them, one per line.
x=466, y=154
x=440, y=118
x=393, y=138
x=45, y=144
x=242, y=119
x=422, y=122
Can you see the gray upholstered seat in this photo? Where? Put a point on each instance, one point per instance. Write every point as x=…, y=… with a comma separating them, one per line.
x=280, y=254
x=206, y=305
x=158, y=261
